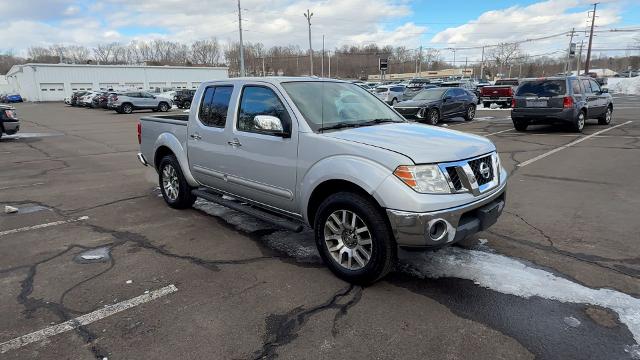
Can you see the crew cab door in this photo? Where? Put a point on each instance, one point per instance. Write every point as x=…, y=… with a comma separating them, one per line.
x=207, y=139
x=262, y=166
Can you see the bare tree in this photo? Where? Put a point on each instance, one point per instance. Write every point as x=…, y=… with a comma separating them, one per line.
x=206, y=52
x=503, y=55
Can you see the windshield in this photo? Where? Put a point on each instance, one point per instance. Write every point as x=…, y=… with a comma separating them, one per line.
x=328, y=104
x=430, y=94
x=545, y=88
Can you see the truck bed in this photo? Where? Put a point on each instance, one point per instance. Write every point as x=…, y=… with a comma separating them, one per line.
x=182, y=118
x=153, y=127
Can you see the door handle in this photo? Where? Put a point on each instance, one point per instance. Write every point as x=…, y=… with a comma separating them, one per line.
x=234, y=143
x=195, y=136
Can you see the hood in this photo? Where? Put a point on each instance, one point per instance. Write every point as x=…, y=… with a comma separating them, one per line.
x=416, y=103
x=424, y=144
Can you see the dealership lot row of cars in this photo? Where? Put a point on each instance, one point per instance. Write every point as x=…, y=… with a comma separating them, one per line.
x=125, y=102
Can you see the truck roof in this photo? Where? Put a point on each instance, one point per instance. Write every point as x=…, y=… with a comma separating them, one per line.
x=276, y=79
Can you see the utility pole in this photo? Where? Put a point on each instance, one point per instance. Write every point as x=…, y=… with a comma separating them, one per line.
x=482, y=64
x=579, y=58
x=454, y=57
x=567, y=68
x=329, y=56
x=322, y=66
x=593, y=20
x=308, y=15
x=264, y=73
x=241, y=46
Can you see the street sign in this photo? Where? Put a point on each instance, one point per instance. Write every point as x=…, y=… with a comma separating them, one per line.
x=383, y=64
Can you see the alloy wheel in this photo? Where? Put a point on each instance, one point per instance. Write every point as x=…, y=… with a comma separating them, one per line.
x=471, y=113
x=348, y=239
x=170, y=182
x=580, y=122
x=607, y=116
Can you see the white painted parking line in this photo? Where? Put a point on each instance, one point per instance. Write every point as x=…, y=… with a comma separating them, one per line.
x=41, y=226
x=498, y=132
x=85, y=319
x=20, y=186
x=551, y=152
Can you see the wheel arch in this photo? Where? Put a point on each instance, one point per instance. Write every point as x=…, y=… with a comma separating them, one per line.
x=168, y=144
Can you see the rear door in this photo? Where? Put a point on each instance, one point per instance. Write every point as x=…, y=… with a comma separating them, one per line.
x=461, y=99
x=590, y=97
x=601, y=98
x=206, y=139
x=262, y=166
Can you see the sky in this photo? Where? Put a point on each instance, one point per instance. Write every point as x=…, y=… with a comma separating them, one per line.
x=411, y=23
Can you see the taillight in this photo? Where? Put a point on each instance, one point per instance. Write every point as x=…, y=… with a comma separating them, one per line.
x=567, y=102
x=513, y=103
x=139, y=133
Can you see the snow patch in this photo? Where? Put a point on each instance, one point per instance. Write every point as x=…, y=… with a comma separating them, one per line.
x=510, y=276
x=630, y=86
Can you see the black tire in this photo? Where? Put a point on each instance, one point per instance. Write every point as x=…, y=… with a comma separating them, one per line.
x=486, y=105
x=126, y=108
x=505, y=105
x=579, y=121
x=163, y=107
x=183, y=198
x=520, y=125
x=383, y=246
x=605, y=119
x=186, y=105
x=433, y=116
x=470, y=113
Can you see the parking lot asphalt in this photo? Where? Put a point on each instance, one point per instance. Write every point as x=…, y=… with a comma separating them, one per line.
x=556, y=278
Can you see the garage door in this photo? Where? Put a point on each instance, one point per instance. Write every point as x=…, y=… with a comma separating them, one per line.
x=107, y=86
x=179, y=85
x=194, y=85
x=81, y=86
x=51, y=91
x=134, y=86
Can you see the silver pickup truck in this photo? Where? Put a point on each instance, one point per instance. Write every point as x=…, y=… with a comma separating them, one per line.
x=331, y=155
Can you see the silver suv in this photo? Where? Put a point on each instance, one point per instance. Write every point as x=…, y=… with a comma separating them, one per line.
x=391, y=94
x=128, y=101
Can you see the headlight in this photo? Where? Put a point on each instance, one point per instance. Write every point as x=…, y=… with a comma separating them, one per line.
x=423, y=178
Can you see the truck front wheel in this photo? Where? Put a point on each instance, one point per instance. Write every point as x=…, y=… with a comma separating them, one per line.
x=354, y=238
x=173, y=185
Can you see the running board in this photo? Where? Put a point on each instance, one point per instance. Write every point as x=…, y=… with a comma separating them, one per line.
x=252, y=211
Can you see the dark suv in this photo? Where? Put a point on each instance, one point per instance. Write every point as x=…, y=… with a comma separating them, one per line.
x=568, y=100
x=183, y=98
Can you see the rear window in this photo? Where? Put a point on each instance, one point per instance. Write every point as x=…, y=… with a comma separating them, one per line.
x=544, y=88
x=507, y=82
x=382, y=89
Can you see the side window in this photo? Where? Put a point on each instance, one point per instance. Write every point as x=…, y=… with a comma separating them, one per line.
x=587, y=86
x=450, y=93
x=214, y=106
x=459, y=92
x=595, y=87
x=575, y=85
x=259, y=100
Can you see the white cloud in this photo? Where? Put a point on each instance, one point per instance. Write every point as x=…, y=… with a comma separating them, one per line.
x=523, y=22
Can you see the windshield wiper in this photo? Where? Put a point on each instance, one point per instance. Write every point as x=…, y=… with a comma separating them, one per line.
x=340, y=126
x=376, y=121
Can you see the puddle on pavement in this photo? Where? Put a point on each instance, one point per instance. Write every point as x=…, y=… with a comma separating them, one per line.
x=98, y=255
x=25, y=209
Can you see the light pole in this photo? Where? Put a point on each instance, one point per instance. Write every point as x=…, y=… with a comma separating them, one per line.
x=308, y=15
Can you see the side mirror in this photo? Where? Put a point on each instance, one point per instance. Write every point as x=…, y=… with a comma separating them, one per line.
x=605, y=90
x=269, y=124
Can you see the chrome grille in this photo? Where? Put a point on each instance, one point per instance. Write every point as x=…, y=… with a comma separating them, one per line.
x=455, y=179
x=475, y=167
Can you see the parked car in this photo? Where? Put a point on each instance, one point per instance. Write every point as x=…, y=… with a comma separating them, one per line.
x=413, y=89
x=433, y=105
x=13, y=98
x=500, y=93
x=75, y=97
x=182, y=99
x=127, y=102
x=87, y=99
x=329, y=154
x=390, y=94
x=569, y=100
x=9, y=122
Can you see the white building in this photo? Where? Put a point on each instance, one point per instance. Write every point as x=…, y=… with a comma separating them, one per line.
x=53, y=82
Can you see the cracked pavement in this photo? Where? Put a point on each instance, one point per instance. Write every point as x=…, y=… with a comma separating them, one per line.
x=248, y=290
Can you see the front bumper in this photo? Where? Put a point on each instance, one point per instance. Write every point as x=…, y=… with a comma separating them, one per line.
x=11, y=127
x=414, y=229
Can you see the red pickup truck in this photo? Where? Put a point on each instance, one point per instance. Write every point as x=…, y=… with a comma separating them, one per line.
x=500, y=93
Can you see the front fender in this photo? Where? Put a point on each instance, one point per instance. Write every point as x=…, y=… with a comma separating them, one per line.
x=171, y=141
x=360, y=171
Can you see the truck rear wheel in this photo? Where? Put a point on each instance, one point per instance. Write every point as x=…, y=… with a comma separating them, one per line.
x=173, y=185
x=354, y=238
